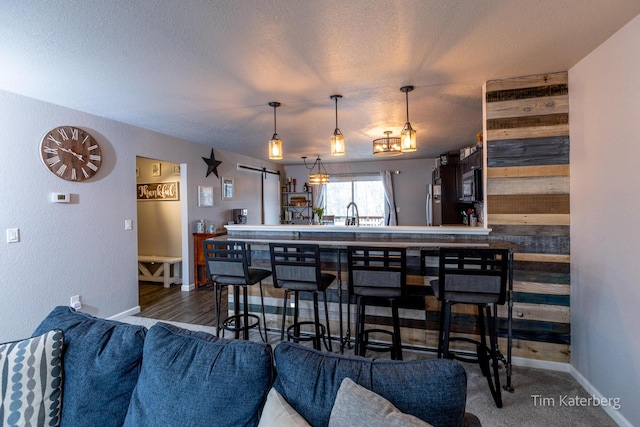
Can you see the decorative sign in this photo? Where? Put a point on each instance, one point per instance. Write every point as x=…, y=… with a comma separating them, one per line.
x=158, y=191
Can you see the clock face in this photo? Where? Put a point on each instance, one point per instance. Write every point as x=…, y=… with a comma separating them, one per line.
x=71, y=153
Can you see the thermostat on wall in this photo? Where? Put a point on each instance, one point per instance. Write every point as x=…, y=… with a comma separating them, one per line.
x=60, y=197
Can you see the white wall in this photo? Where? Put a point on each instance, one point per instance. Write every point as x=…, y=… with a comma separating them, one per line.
x=410, y=186
x=604, y=91
x=82, y=247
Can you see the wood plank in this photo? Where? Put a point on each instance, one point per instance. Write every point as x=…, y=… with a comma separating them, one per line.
x=528, y=230
x=549, y=79
x=522, y=219
x=528, y=121
x=528, y=107
x=528, y=185
x=528, y=132
x=546, y=313
x=519, y=256
x=525, y=171
x=528, y=152
x=530, y=203
x=540, y=244
x=541, y=288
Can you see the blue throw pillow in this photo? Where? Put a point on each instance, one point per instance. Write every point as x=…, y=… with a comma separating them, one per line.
x=101, y=361
x=432, y=390
x=194, y=379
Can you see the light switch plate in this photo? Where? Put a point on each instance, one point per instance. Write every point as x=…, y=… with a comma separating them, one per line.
x=13, y=235
x=128, y=224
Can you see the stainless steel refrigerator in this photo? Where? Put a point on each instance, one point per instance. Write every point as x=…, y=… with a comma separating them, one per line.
x=434, y=204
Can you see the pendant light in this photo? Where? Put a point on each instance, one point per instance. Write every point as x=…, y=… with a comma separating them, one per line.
x=337, y=139
x=275, y=144
x=319, y=177
x=408, y=134
x=387, y=146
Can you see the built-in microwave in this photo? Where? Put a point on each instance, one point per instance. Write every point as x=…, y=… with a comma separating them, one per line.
x=472, y=186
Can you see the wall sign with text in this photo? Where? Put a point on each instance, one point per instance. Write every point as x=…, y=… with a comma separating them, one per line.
x=158, y=191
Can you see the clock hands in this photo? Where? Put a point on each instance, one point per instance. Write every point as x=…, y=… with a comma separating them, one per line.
x=66, y=150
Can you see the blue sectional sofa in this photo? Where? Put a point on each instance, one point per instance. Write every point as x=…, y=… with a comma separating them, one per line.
x=78, y=370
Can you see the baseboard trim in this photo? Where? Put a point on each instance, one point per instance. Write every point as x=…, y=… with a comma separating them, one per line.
x=130, y=312
x=615, y=414
x=187, y=288
x=541, y=364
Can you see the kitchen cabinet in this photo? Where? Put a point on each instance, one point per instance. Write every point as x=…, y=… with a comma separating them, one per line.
x=297, y=207
x=199, y=266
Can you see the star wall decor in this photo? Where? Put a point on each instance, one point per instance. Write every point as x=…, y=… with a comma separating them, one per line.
x=212, y=164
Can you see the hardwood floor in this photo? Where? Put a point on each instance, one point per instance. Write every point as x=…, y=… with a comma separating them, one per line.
x=196, y=307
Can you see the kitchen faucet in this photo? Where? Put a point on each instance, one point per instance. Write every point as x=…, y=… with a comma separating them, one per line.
x=352, y=220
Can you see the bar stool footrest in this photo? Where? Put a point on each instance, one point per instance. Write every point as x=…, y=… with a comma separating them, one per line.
x=377, y=346
x=234, y=323
x=308, y=336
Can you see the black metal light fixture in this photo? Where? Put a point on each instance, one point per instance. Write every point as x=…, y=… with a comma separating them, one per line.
x=387, y=146
x=337, y=139
x=319, y=177
x=275, y=143
x=408, y=135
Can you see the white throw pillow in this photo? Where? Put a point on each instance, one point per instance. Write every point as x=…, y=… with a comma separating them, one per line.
x=31, y=373
x=278, y=413
x=356, y=406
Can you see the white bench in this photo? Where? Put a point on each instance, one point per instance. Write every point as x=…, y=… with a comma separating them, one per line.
x=163, y=272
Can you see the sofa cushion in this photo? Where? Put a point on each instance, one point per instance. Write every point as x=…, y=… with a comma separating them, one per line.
x=101, y=366
x=355, y=406
x=31, y=378
x=433, y=390
x=194, y=379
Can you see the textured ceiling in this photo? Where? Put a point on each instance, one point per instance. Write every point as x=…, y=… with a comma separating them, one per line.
x=205, y=70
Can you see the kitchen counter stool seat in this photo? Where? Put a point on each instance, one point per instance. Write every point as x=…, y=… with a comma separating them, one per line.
x=227, y=265
x=475, y=276
x=296, y=268
x=377, y=276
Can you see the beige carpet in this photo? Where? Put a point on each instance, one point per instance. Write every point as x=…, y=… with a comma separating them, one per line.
x=541, y=398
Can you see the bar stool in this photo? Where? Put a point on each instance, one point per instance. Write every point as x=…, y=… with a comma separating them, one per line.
x=296, y=268
x=377, y=276
x=227, y=265
x=473, y=276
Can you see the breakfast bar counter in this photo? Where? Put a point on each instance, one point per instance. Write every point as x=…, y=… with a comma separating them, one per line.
x=419, y=319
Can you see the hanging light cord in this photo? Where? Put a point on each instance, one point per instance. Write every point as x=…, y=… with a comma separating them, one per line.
x=336, y=98
x=407, y=103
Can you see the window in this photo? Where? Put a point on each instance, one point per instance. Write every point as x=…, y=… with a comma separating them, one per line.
x=365, y=191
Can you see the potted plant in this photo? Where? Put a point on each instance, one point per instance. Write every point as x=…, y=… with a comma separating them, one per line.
x=319, y=212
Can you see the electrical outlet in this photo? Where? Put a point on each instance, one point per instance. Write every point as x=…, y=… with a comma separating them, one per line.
x=75, y=302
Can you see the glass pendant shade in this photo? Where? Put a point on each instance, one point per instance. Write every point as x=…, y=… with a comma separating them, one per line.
x=408, y=137
x=337, y=139
x=337, y=143
x=275, y=148
x=408, y=134
x=387, y=146
x=275, y=144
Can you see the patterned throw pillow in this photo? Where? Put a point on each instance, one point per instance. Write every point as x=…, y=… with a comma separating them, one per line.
x=31, y=381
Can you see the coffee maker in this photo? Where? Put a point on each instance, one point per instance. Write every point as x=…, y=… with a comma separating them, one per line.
x=239, y=216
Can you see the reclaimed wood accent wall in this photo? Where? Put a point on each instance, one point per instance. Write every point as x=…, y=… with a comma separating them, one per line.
x=527, y=199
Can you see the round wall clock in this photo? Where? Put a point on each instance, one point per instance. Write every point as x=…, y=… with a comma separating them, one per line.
x=71, y=153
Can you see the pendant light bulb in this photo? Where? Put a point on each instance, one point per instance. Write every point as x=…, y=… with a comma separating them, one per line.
x=408, y=134
x=337, y=139
x=275, y=143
